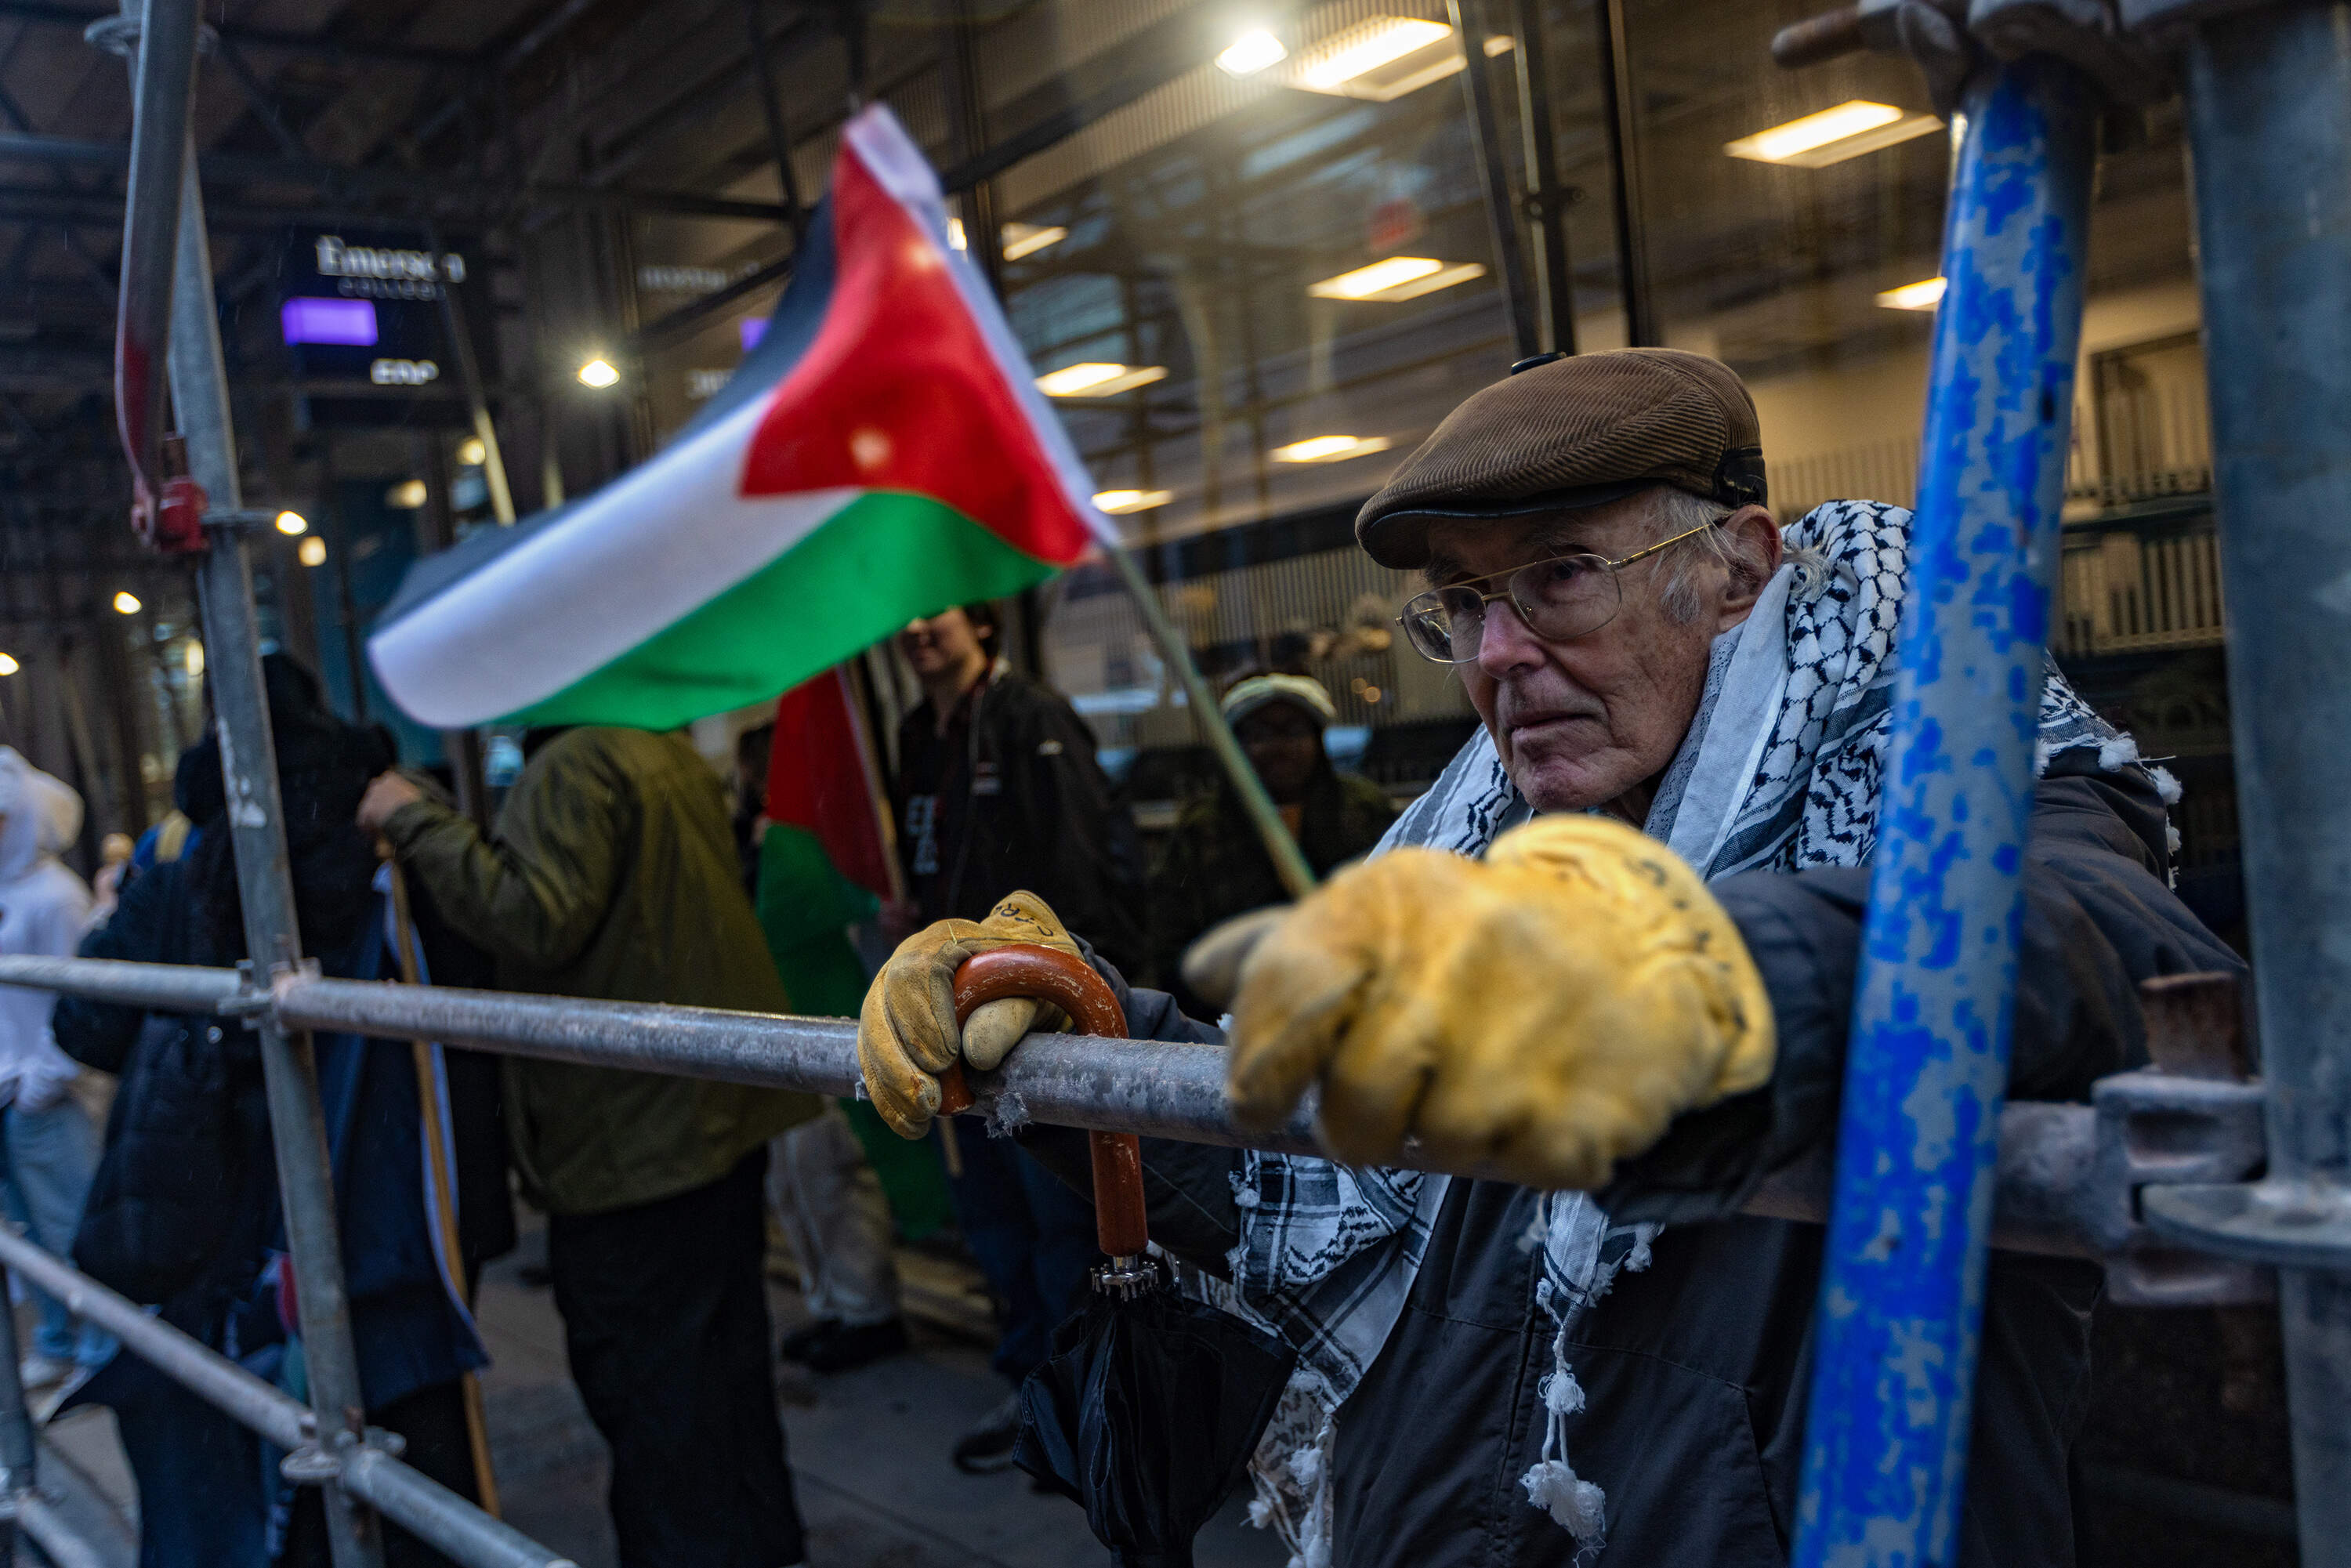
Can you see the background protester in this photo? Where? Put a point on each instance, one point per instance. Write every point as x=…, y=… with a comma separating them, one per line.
x=1214, y=865
x=51, y=1142
x=613, y=874
x=183, y=1216
x=998, y=790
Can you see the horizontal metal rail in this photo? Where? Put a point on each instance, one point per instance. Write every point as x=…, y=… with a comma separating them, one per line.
x=425, y=1508
x=1155, y=1088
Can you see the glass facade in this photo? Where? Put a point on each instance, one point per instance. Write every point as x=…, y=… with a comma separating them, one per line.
x=1254, y=260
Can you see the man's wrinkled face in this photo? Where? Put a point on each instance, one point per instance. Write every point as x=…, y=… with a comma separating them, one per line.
x=1578, y=723
x=936, y=644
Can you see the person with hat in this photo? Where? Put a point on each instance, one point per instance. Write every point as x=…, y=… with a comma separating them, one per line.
x=1610, y=958
x=1214, y=865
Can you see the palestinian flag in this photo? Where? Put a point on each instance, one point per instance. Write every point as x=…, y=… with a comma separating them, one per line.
x=883, y=452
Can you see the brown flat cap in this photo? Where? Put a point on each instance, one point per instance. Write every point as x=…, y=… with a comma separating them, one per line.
x=1565, y=432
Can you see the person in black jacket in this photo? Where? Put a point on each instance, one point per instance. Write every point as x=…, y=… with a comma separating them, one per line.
x=999, y=790
x=183, y=1213
x=1612, y=954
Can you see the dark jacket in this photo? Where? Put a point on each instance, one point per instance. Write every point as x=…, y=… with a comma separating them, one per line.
x=1214, y=865
x=1696, y=1370
x=1012, y=797
x=182, y=1212
x=611, y=874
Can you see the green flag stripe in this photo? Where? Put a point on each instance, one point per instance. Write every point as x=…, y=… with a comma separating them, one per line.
x=874, y=565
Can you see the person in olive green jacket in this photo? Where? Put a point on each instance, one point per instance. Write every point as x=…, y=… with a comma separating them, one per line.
x=613, y=875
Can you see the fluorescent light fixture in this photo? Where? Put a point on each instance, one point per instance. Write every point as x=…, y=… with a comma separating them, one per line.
x=406, y=495
x=1329, y=448
x=126, y=604
x=1500, y=44
x=1397, y=277
x=471, y=453
x=1832, y=136
x=293, y=523
x=1379, y=58
x=1120, y=502
x=1251, y=53
x=955, y=234
x=1094, y=379
x=598, y=373
x=1922, y=295
x=312, y=553
x=313, y=320
x=9, y=665
x=193, y=658
x=1027, y=239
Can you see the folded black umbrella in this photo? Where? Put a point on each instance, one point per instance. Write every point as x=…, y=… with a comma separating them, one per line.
x=1146, y=1413
x=1151, y=1404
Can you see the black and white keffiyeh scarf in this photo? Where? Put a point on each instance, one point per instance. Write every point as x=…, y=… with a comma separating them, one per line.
x=1779, y=771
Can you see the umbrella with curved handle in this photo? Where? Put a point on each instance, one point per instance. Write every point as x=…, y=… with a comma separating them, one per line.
x=1071, y=984
x=1151, y=1403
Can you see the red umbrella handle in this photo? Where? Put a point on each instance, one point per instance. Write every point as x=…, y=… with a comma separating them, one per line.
x=1071, y=984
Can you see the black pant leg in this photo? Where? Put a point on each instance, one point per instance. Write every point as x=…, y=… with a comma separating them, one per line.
x=665, y=1321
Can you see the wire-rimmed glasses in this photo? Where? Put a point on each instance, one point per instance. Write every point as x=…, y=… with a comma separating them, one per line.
x=1560, y=598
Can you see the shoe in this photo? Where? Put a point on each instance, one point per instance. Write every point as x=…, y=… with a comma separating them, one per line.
x=986, y=1449
x=794, y=1346
x=38, y=1371
x=845, y=1349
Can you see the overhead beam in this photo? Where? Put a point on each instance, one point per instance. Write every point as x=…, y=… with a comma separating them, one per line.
x=344, y=183
x=312, y=45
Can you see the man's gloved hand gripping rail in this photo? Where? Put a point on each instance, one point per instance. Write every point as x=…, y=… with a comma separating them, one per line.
x=1579, y=1009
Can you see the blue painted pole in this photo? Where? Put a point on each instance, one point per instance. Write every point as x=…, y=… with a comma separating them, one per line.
x=1902, y=1291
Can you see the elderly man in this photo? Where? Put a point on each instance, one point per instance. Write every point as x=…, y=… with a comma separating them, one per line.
x=1610, y=955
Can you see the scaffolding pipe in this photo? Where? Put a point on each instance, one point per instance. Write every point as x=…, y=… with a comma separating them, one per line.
x=1902, y=1285
x=425, y=1508
x=1162, y=1089
x=2269, y=129
x=249, y=765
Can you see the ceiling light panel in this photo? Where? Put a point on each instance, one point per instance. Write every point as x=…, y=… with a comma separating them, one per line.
x=1098, y=379
x=1834, y=135
x=1378, y=60
x=1329, y=448
x=1923, y=295
x=1397, y=278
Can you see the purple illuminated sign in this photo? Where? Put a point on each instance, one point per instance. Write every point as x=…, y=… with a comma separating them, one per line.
x=313, y=320
x=753, y=329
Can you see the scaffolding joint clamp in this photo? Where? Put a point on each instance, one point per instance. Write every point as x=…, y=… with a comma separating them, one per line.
x=2287, y=1222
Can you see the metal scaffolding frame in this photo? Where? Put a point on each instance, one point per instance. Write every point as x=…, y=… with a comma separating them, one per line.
x=1918, y=1198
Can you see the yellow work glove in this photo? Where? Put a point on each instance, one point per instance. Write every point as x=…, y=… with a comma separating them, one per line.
x=906, y=1032
x=1540, y=1014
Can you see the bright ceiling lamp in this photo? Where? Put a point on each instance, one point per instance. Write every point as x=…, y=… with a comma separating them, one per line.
x=598, y=373
x=1095, y=379
x=1120, y=502
x=313, y=551
x=1329, y=448
x=473, y=452
x=955, y=235
x=290, y=523
x=1251, y=53
x=1027, y=239
x=406, y=496
x=9, y=665
x=1380, y=59
x=1923, y=295
x=1834, y=135
x=126, y=604
x=1397, y=277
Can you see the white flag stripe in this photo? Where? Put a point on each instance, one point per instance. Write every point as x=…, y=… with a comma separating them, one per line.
x=644, y=553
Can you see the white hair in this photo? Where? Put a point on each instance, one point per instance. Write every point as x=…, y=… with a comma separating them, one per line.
x=1674, y=510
